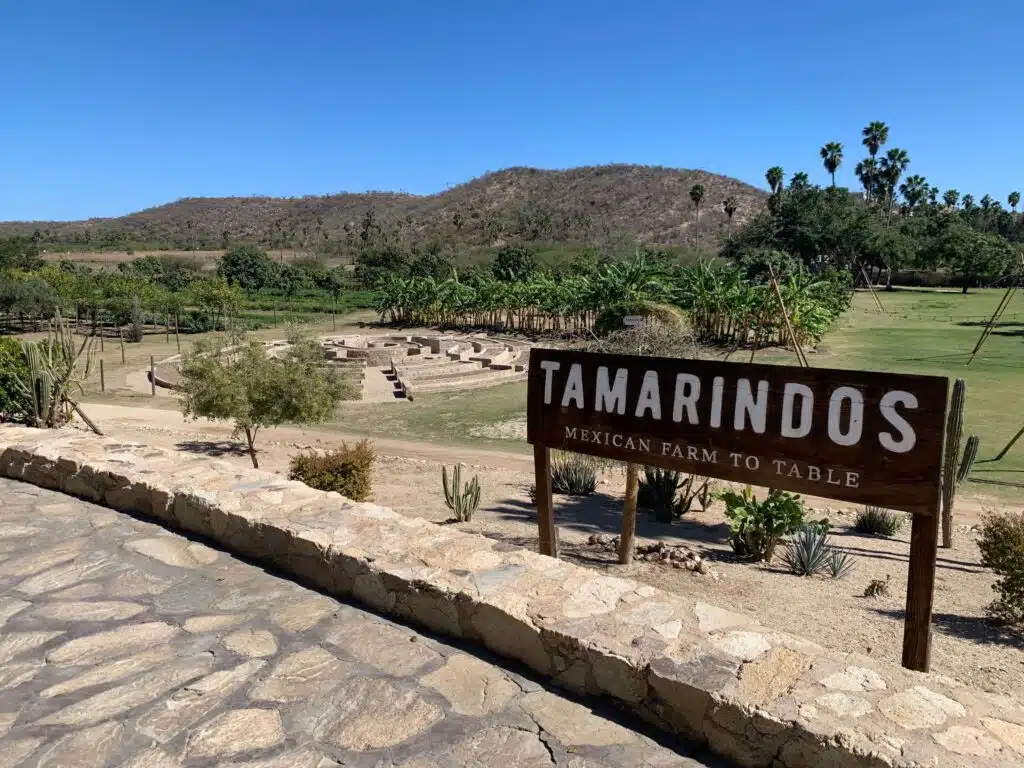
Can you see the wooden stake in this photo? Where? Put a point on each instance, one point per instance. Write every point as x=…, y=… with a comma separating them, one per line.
x=867, y=282
x=120, y=336
x=628, y=534
x=992, y=322
x=789, y=327
x=167, y=327
x=89, y=422
x=101, y=339
x=545, y=506
x=334, y=315
x=177, y=339
x=1010, y=445
x=103, y=381
x=152, y=376
x=917, y=637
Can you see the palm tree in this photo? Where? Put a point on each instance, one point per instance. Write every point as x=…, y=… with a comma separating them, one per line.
x=729, y=206
x=774, y=177
x=875, y=135
x=832, y=158
x=867, y=172
x=968, y=204
x=799, y=180
x=697, y=195
x=914, y=190
x=1014, y=200
x=951, y=197
x=891, y=169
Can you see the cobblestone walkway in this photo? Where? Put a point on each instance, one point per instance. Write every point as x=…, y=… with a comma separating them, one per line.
x=122, y=644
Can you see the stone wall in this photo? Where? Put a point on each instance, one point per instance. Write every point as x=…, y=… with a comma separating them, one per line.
x=755, y=695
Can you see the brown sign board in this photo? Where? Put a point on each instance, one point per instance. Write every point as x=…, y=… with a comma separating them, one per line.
x=858, y=436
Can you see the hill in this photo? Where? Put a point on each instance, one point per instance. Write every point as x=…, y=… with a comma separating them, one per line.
x=587, y=204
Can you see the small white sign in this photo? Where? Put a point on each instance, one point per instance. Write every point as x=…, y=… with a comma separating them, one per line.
x=633, y=321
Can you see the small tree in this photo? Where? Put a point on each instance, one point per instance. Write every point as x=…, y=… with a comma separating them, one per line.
x=246, y=266
x=246, y=386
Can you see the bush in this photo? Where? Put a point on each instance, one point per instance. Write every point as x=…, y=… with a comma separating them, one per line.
x=809, y=552
x=876, y=521
x=12, y=367
x=349, y=471
x=573, y=475
x=1002, y=550
x=670, y=495
x=757, y=526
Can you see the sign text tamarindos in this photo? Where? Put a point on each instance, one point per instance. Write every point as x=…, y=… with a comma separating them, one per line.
x=870, y=438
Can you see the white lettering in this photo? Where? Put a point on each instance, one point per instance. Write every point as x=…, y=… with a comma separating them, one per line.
x=570, y=433
x=888, y=406
x=665, y=448
x=549, y=367
x=573, y=387
x=617, y=440
x=835, y=408
x=852, y=480
x=677, y=453
x=691, y=453
x=735, y=458
x=752, y=462
x=650, y=397
x=789, y=393
x=645, y=444
x=717, y=389
x=748, y=407
x=830, y=481
x=779, y=464
x=794, y=471
x=710, y=456
x=687, y=392
x=813, y=473
x=611, y=397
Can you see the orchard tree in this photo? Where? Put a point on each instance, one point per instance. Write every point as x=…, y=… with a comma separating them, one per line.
x=246, y=386
x=246, y=266
x=515, y=264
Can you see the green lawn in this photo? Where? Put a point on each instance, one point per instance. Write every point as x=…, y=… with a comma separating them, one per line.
x=933, y=332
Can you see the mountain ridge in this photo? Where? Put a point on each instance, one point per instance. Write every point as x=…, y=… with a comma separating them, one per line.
x=650, y=203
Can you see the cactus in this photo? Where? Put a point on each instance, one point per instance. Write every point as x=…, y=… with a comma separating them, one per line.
x=968, y=459
x=54, y=366
x=953, y=474
x=462, y=501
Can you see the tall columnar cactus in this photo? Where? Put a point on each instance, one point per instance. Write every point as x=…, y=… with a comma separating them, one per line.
x=55, y=365
x=955, y=468
x=462, y=501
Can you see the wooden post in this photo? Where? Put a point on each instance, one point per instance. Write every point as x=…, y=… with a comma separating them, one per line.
x=152, y=376
x=867, y=281
x=917, y=621
x=101, y=339
x=334, y=315
x=167, y=327
x=120, y=336
x=628, y=533
x=275, y=315
x=789, y=327
x=103, y=381
x=1003, y=303
x=1010, y=445
x=177, y=339
x=545, y=507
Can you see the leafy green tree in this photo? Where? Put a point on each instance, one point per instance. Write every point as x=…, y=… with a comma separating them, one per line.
x=246, y=386
x=774, y=177
x=147, y=268
x=971, y=254
x=875, y=135
x=891, y=170
x=515, y=264
x=697, y=196
x=247, y=266
x=431, y=263
x=915, y=191
x=216, y=299
x=832, y=158
x=13, y=368
x=377, y=263
x=19, y=253
x=867, y=173
x=951, y=197
x=1014, y=200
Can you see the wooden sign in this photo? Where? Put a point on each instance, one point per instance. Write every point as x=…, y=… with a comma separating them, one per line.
x=869, y=438
x=633, y=321
x=859, y=436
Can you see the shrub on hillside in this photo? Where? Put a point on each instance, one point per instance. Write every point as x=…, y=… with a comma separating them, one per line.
x=758, y=526
x=1002, y=550
x=876, y=521
x=349, y=471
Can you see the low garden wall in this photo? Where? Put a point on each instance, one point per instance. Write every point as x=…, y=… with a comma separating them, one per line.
x=755, y=695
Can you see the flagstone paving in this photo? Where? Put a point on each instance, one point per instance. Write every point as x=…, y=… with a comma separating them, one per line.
x=122, y=644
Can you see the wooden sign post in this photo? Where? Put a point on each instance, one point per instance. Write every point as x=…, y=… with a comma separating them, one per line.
x=858, y=436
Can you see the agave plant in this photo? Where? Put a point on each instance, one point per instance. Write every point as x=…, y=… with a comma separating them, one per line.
x=56, y=365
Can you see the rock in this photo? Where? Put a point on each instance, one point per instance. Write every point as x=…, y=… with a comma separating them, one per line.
x=236, y=731
x=855, y=679
x=253, y=643
x=711, y=618
x=115, y=642
x=111, y=671
x=1010, y=734
x=961, y=740
x=573, y=724
x=15, y=643
x=380, y=645
x=473, y=687
x=200, y=624
x=113, y=610
x=920, y=708
x=743, y=645
x=844, y=705
x=703, y=567
x=89, y=748
x=300, y=676
x=774, y=673
x=300, y=615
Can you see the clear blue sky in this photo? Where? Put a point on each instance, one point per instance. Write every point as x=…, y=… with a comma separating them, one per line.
x=109, y=106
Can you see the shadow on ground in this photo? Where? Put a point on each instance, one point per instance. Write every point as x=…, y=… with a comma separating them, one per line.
x=602, y=513
x=977, y=629
x=215, y=448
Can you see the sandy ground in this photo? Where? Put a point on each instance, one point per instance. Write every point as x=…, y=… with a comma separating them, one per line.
x=833, y=613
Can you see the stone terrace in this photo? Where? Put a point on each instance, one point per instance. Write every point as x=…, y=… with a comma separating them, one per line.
x=125, y=645
x=753, y=694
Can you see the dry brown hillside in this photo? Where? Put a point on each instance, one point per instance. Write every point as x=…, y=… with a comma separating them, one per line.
x=576, y=205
